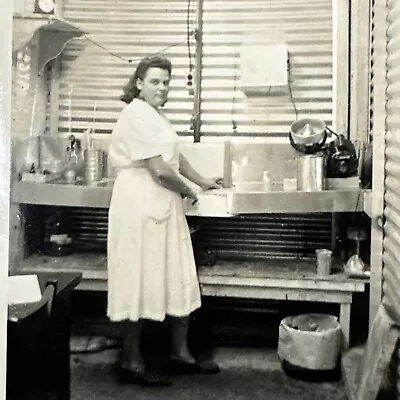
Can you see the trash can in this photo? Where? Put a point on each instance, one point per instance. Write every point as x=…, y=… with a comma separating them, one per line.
x=309, y=347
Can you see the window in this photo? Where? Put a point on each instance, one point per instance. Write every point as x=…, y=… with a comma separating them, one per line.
x=306, y=29
x=94, y=70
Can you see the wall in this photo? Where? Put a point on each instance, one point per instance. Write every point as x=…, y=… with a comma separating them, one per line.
x=250, y=156
x=5, y=111
x=34, y=97
x=30, y=92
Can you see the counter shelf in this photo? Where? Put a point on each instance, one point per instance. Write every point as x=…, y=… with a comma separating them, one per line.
x=273, y=279
x=212, y=203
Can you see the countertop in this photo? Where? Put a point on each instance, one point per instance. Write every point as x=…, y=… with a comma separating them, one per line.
x=221, y=202
x=278, y=272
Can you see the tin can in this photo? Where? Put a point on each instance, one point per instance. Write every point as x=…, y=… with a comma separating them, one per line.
x=94, y=165
x=311, y=173
x=324, y=261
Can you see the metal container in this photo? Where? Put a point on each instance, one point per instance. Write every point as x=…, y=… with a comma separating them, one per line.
x=311, y=173
x=308, y=131
x=324, y=261
x=94, y=165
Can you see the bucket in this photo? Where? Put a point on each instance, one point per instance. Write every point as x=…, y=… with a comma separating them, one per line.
x=311, y=173
x=310, y=345
x=94, y=165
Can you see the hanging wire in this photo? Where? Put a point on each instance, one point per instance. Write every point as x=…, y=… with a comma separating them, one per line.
x=188, y=35
x=106, y=50
x=234, y=124
x=290, y=87
x=128, y=60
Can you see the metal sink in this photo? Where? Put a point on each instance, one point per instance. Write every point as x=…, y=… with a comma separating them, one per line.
x=296, y=202
x=226, y=202
x=82, y=183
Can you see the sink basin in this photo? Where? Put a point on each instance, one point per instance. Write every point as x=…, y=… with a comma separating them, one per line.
x=81, y=182
x=212, y=203
x=256, y=187
x=248, y=187
x=216, y=192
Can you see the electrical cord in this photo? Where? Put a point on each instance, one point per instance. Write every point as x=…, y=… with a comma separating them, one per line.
x=106, y=50
x=290, y=86
x=234, y=124
x=189, y=32
x=188, y=36
x=128, y=60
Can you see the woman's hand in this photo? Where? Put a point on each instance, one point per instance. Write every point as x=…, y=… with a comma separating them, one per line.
x=193, y=197
x=212, y=183
x=190, y=194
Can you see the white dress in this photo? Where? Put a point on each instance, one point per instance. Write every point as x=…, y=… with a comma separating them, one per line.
x=151, y=267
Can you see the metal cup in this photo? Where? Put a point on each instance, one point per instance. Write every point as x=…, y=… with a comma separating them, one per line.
x=94, y=165
x=311, y=173
x=324, y=261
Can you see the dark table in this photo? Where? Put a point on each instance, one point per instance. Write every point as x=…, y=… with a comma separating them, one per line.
x=38, y=364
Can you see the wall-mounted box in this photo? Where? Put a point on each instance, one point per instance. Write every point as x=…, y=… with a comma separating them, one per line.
x=263, y=66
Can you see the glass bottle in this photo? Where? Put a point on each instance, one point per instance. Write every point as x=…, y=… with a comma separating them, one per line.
x=77, y=155
x=266, y=182
x=71, y=168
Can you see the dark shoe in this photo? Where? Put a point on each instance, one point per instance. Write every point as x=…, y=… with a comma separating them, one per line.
x=208, y=367
x=145, y=378
x=179, y=367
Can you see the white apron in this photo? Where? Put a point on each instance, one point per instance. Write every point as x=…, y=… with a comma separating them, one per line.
x=151, y=267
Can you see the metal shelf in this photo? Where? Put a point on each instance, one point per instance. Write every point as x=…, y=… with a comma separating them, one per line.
x=226, y=202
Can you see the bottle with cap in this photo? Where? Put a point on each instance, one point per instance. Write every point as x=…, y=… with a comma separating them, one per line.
x=70, y=170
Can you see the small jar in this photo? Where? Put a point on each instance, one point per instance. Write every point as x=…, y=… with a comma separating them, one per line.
x=70, y=175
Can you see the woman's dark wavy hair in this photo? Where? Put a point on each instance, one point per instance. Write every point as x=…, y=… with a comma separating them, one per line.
x=130, y=90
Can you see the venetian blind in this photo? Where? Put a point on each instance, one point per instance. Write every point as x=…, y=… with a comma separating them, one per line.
x=94, y=69
x=305, y=27
x=92, y=78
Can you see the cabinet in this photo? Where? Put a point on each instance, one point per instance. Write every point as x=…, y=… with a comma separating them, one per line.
x=37, y=347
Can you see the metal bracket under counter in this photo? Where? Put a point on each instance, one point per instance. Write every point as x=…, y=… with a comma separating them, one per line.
x=224, y=202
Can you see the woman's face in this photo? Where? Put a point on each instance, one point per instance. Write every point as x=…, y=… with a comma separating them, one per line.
x=154, y=87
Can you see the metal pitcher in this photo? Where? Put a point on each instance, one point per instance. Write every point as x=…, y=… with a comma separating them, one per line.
x=311, y=173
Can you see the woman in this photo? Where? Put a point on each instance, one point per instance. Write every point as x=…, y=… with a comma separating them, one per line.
x=151, y=268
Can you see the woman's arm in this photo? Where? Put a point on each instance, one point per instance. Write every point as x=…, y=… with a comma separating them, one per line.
x=167, y=177
x=190, y=173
